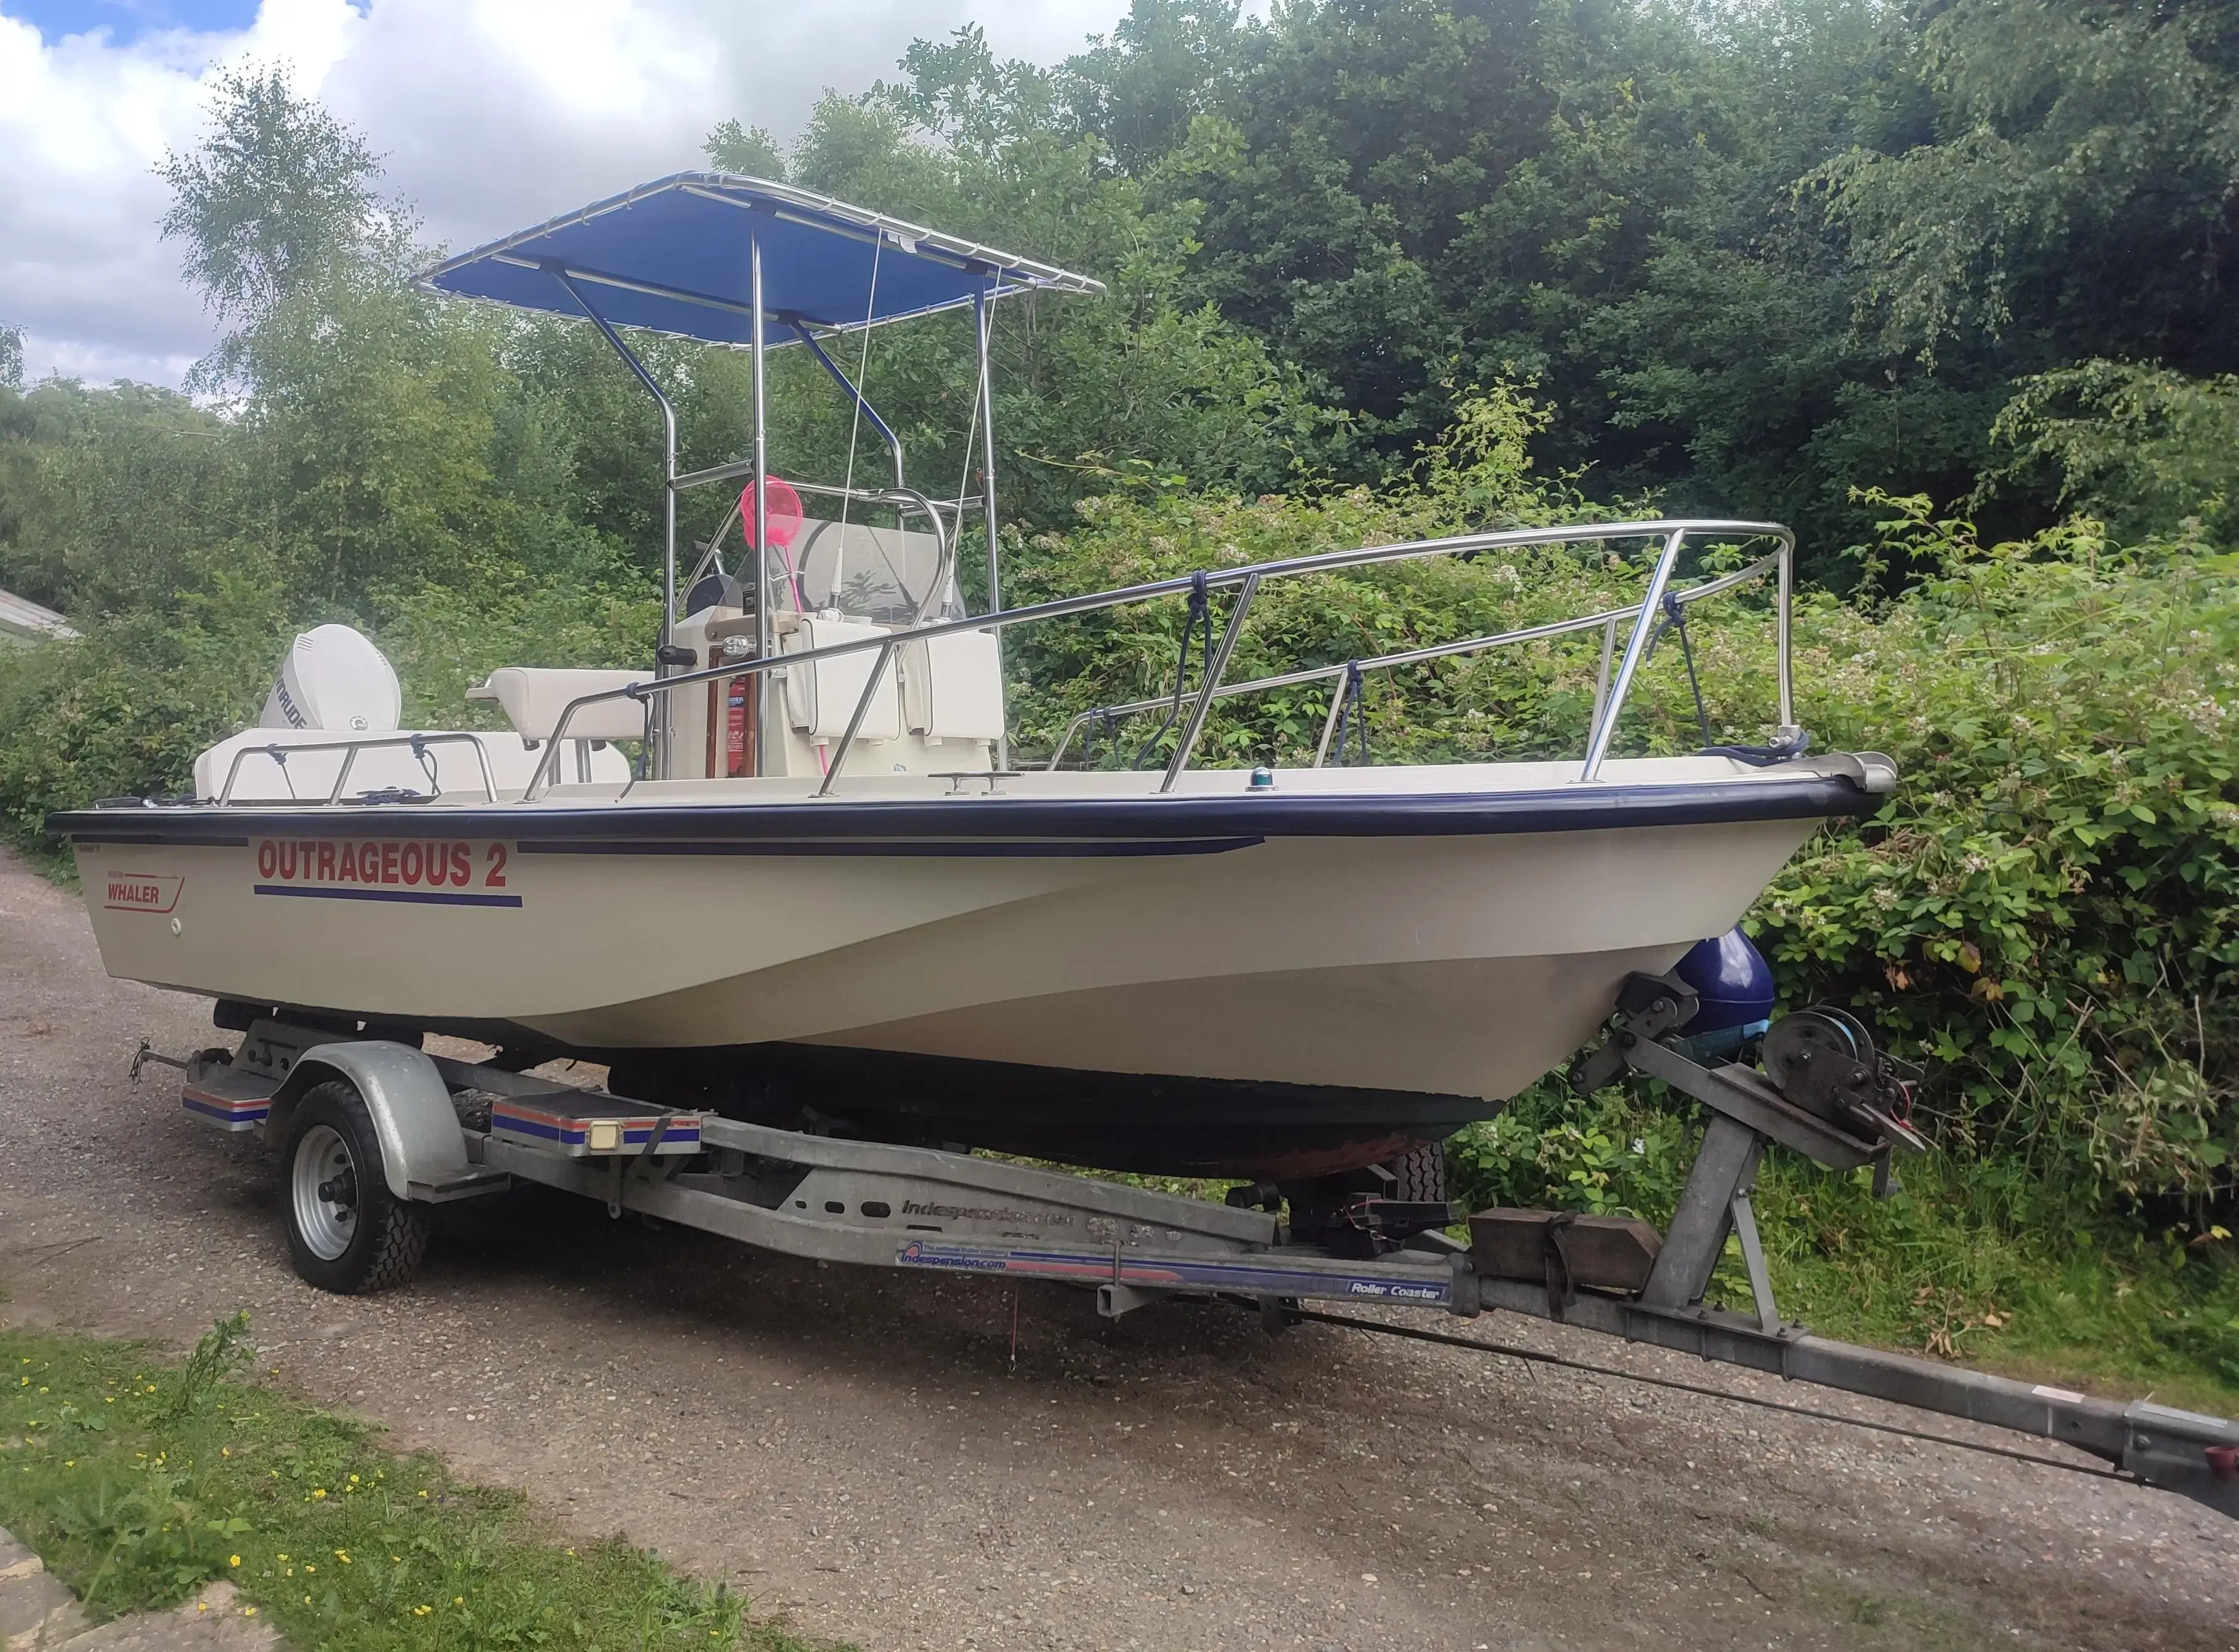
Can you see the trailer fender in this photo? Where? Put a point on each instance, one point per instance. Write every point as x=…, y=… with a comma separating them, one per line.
x=423, y=1152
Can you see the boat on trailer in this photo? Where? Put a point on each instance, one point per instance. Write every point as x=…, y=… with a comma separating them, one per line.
x=821, y=889
x=835, y=951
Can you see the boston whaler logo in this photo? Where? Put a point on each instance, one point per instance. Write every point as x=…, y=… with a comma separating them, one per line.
x=138, y=891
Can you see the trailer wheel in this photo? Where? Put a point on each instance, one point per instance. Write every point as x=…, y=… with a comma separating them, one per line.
x=1422, y=1173
x=347, y=1232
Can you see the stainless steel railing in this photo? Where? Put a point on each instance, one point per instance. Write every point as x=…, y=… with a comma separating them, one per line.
x=417, y=744
x=1607, y=621
x=1246, y=582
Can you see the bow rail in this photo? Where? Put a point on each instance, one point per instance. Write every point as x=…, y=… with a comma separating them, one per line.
x=1608, y=621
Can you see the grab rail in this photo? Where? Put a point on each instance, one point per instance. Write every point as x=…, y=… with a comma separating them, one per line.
x=350, y=748
x=1674, y=532
x=1608, y=619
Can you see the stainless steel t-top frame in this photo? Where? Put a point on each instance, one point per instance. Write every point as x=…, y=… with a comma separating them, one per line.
x=667, y=257
x=900, y=496
x=724, y=260
x=1247, y=580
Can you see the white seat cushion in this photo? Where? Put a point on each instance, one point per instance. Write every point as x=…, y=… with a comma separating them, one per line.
x=533, y=699
x=821, y=695
x=953, y=687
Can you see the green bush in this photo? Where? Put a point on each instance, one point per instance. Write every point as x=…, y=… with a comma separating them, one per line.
x=124, y=709
x=2046, y=911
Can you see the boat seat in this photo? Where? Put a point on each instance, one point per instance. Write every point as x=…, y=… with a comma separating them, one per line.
x=823, y=694
x=953, y=687
x=533, y=699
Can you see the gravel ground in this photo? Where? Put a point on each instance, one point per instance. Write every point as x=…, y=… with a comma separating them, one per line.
x=908, y=1464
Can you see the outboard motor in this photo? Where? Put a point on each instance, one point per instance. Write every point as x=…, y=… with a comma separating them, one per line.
x=1734, y=986
x=335, y=678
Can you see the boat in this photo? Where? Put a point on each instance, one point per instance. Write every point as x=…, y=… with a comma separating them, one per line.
x=789, y=872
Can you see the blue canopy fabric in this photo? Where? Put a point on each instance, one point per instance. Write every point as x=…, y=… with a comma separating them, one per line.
x=672, y=256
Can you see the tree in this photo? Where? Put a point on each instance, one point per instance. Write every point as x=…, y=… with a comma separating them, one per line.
x=277, y=189
x=1166, y=62
x=2079, y=196
x=2149, y=451
x=1143, y=381
x=750, y=151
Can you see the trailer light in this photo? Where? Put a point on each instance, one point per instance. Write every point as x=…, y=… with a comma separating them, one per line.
x=606, y=1136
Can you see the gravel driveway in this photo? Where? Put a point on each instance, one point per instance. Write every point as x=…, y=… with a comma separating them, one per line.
x=865, y=1453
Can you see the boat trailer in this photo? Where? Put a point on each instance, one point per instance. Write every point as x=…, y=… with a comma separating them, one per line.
x=371, y=1131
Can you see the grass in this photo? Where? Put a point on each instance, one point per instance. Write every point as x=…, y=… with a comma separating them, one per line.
x=1938, y=1270
x=137, y=1483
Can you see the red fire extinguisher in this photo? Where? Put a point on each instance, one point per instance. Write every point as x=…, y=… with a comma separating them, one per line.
x=730, y=721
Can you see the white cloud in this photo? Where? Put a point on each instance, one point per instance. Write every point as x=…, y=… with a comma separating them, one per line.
x=491, y=113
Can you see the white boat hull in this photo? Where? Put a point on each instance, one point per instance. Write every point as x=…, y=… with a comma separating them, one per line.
x=1462, y=963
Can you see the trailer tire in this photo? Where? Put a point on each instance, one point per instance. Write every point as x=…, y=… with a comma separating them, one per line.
x=1421, y=1173
x=347, y=1232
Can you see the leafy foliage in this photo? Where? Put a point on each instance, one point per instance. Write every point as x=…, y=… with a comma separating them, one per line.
x=2047, y=911
x=2082, y=171
x=2144, y=447
x=1531, y=702
x=1755, y=253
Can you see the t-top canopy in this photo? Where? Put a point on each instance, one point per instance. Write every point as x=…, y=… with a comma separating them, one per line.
x=672, y=255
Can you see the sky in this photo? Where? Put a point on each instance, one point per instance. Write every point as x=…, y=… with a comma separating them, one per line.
x=491, y=114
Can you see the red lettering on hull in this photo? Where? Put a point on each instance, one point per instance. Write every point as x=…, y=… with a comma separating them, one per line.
x=138, y=891
x=412, y=863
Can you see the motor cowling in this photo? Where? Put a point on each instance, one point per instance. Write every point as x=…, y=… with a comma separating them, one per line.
x=334, y=678
x=1733, y=991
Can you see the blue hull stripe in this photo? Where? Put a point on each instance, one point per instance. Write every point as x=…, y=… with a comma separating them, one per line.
x=409, y=897
x=999, y=822
x=937, y=849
